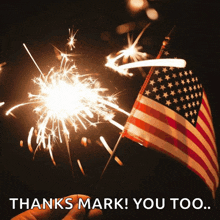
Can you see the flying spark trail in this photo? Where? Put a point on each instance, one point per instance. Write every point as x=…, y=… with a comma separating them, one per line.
x=179, y=63
x=65, y=99
x=80, y=166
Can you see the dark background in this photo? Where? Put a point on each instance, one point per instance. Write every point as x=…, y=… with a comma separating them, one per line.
x=146, y=173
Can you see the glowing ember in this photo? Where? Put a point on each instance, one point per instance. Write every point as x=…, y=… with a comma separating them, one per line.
x=21, y=143
x=84, y=141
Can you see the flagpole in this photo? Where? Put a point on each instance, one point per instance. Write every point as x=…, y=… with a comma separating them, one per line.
x=165, y=42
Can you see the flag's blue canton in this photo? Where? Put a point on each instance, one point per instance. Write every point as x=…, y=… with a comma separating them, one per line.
x=178, y=89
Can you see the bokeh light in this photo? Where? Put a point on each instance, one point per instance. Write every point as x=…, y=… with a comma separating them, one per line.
x=137, y=5
x=152, y=14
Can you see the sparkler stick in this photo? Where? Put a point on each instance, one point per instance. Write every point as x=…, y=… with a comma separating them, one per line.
x=165, y=42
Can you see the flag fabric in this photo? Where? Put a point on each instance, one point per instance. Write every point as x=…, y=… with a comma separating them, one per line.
x=172, y=114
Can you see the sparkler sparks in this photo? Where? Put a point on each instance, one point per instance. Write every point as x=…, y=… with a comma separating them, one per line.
x=66, y=98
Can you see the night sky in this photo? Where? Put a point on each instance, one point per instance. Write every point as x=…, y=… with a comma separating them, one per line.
x=146, y=172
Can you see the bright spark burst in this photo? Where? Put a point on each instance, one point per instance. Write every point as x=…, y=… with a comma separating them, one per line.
x=65, y=99
x=71, y=39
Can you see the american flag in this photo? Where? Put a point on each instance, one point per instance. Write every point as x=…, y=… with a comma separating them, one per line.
x=172, y=115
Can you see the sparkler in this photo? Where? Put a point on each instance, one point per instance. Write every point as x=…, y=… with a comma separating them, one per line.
x=133, y=52
x=66, y=98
